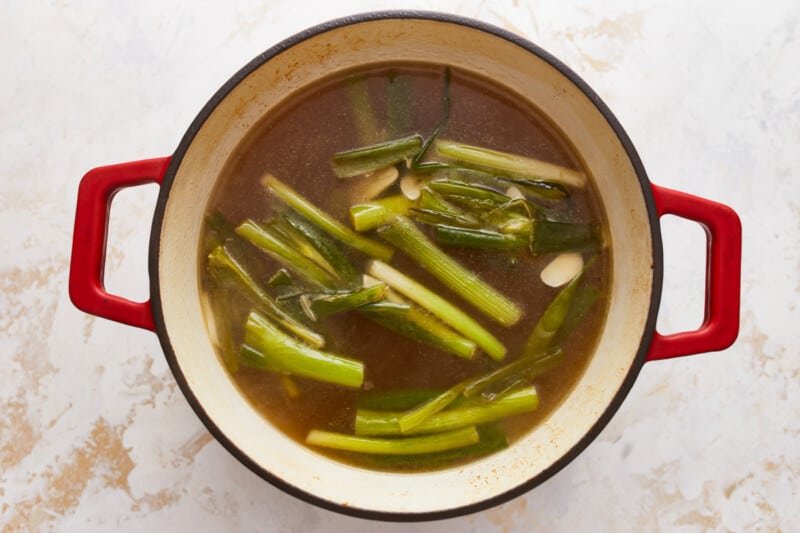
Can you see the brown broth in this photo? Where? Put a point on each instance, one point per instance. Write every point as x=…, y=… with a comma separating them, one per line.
x=295, y=143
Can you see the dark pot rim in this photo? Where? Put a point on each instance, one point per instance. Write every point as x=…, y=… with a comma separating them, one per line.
x=286, y=486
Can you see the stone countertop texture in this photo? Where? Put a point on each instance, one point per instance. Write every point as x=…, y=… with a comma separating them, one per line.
x=96, y=436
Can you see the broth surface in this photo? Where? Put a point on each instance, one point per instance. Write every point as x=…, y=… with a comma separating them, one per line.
x=295, y=143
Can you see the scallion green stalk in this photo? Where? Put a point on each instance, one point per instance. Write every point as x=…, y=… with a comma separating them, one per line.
x=375, y=423
x=512, y=165
x=539, y=188
x=224, y=266
x=432, y=201
x=493, y=438
x=582, y=303
x=326, y=247
x=439, y=307
x=298, y=241
x=527, y=367
x=435, y=218
x=469, y=192
x=376, y=156
x=405, y=235
x=438, y=442
x=325, y=222
x=479, y=238
x=414, y=323
x=370, y=215
x=549, y=237
x=433, y=209
x=554, y=315
x=318, y=306
x=281, y=278
x=284, y=253
x=267, y=348
x=421, y=413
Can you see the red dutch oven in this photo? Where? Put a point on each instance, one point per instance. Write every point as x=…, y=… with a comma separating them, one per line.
x=632, y=203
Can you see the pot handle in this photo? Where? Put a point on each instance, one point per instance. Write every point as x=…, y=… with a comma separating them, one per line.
x=96, y=190
x=723, y=275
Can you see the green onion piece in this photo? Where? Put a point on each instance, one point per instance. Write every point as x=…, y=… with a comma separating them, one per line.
x=447, y=440
x=395, y=400
x=325, y=222
x=512, y=165
x=370, y=215
x=492, y=439
x=318, y=306
x=281, y=278
x=284, y=253
x=374, y=423
x=220, y=225
x=432, y=208
x=428, y=199
x=549, y=237
x=549, y=190
x=405, y=235
x=429, y=166
x=420, y=414
x=469, y=192
x=363, y=114
x=526, y=376
x=225, y=268
x=414, y=323
x=267, y=348
x=553, y=316
x=528, y=367
x=471, y=176
x=297, y=241
x=436, y=218
x=329, y=249
x=479, y=238
x=582, y=303
x=234, y=244
x=367, y=159
x=439, y=307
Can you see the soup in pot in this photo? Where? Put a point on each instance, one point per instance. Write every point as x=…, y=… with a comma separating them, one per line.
x=405, y=267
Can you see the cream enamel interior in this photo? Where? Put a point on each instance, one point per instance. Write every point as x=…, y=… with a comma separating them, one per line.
x=465, y=48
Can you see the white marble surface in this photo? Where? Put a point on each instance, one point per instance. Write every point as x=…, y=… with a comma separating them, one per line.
x=95, y=435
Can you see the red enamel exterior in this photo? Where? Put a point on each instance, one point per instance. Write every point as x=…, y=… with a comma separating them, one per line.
x=723, y=275
x=96, y=190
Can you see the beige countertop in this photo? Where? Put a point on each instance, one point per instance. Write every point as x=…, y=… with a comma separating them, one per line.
x=96, y=436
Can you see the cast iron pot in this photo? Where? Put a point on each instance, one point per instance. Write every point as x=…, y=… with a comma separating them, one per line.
x=633, y=206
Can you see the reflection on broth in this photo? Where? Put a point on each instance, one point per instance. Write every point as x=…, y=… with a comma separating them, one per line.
x=372, y=262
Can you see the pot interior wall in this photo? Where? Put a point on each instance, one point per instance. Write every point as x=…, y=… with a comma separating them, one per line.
x=466, y=48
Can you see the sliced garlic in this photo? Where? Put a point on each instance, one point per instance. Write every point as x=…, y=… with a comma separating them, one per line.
x=373, y=184
x=562, y=269
x=410, y=186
